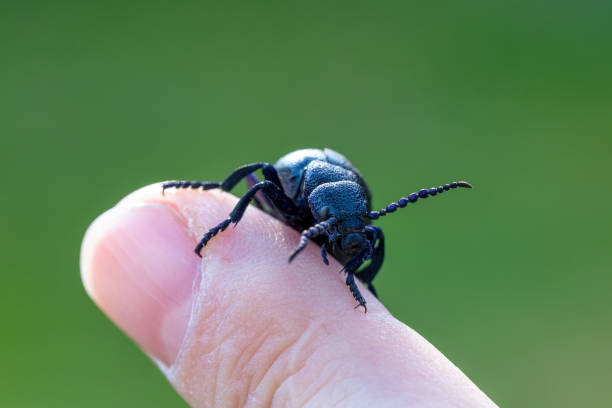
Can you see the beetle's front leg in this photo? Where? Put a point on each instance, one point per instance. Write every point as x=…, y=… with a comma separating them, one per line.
x=367, y=274
x=350, y=282
x=324, y=254
x=269, y=188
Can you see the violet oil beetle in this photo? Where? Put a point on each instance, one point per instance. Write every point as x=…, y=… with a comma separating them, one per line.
x=321, y=194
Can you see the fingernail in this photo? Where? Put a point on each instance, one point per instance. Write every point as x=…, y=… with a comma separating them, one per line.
x=138, y=265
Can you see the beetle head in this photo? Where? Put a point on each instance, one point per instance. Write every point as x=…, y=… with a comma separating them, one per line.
x=348, y=238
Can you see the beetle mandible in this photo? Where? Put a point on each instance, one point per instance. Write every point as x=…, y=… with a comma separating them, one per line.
x=320, y=193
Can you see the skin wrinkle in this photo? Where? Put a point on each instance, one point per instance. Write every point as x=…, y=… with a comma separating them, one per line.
x=341, y=397
x=270, y=379
x=240, y=371
x=201, y=315
x=213, y=353
x=299, y=354
x=257, y=382
x=250, y=387
x=220, y=337
x=222, y=342
x=345, y=392
x=205, y=315
x=327, y=378
x=311, y=334
x=243, y=358
x=302, y=352
x=221, y=361
x=341, y=361
x=320, y=385
x=332, y=358
x=245, y=333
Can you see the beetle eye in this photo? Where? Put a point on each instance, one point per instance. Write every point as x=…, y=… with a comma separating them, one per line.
x=324, y=213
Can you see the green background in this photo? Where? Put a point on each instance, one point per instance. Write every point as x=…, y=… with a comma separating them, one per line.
x=510, y=280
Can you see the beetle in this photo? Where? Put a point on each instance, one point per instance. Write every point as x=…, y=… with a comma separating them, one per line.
x=320, y=193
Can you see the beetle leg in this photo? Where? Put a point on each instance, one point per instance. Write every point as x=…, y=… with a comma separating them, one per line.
x=204, y=185
x=226, y=185
x=269, y=188
x=312, y=232
x=350, y=269
x=367, y=274
x=211, y=233
x=259, y=198
x=270, y=174
x=324, y=254
x=350, y=282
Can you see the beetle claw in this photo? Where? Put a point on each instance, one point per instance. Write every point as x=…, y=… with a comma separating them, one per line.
x=365, y=308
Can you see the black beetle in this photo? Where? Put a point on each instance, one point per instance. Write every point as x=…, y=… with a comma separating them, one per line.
x=322, y=194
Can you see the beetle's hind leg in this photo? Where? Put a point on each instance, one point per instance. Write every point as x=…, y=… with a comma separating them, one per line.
x=263, y=202
x=258, y=200
x=226, y=185
x=271, y=190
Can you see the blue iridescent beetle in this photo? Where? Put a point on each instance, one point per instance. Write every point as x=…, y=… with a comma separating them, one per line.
x=320, y=193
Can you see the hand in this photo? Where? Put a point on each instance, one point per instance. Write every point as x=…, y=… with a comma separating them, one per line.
x=242, y=327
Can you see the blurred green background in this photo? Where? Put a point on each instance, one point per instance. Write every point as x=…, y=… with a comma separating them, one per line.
x=510, y=280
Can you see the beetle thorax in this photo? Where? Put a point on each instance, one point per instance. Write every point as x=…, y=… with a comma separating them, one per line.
x=341, y=199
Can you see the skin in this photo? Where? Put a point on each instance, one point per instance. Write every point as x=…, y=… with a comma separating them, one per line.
x=242, y=327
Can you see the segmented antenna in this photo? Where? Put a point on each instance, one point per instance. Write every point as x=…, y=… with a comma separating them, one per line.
x=312, y=232
x=412, y=198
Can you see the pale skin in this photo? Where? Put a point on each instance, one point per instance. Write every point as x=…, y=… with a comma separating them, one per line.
x=241, y=326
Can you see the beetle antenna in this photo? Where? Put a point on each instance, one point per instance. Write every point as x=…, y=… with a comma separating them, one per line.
x=312, y=232
x=413, y=197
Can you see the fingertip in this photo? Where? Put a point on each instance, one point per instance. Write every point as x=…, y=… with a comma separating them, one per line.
x=135, y=265
x=242, y=314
